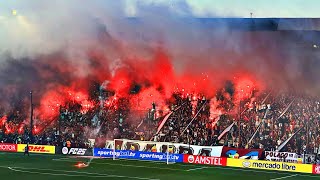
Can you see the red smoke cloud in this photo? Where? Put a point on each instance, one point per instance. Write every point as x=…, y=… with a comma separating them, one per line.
x=140, y=79
x=156, y=80
x=52, y=100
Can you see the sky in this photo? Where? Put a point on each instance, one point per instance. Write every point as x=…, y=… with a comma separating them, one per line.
x=198, y=8
x=26, y=25
x=259, y=8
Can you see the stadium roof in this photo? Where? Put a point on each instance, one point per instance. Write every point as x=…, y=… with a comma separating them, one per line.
x=254, y=24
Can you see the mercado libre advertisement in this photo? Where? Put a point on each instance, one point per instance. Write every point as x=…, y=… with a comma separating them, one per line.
x=269, y=165
x=43, y=149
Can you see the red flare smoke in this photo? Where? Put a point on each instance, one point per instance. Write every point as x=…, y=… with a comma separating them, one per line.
x=154, y=80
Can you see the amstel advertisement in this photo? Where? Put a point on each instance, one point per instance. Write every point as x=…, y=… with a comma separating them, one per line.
x=43, y=149
x=269, y=165
x=215, y=161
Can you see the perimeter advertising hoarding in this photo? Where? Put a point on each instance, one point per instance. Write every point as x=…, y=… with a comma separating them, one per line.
x=269, y=165
x=125, y=154
x=242, y=153
x=214, y=161
x=8, y=147
x=74, y=151
x=316, y=169
x=43, y=149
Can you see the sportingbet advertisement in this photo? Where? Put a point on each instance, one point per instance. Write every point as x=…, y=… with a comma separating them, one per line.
x=269, y=165
x=150, y=156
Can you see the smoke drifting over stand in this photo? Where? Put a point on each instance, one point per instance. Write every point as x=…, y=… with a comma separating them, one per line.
x=65, y=52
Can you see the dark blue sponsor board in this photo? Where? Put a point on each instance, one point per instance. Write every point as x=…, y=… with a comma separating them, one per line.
x=150, y=156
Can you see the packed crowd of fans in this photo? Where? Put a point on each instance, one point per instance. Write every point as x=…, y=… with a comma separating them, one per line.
x=302, y=117
x=275, y=116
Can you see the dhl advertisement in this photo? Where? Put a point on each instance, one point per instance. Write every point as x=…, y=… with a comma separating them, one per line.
x=270, y=165
x=44, y=149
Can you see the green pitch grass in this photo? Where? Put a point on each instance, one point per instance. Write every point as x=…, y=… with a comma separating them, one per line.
x=14, y=166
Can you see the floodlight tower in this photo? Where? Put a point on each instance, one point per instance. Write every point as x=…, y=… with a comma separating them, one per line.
x=31, y=117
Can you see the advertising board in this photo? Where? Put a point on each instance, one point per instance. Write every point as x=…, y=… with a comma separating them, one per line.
x=316, y=169
x=151, y=156
x=214, y=161
x=8, y=147
x=269, y=165
x=43, y=149
x=74, y=151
